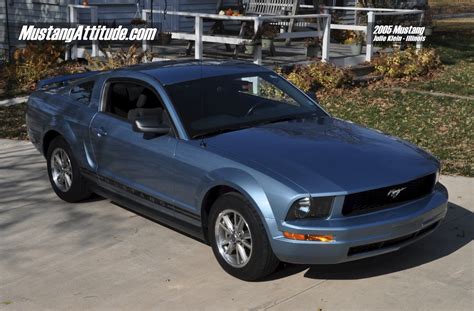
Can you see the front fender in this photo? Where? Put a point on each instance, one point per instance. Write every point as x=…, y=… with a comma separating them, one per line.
x=243, y=182
x=270, y=198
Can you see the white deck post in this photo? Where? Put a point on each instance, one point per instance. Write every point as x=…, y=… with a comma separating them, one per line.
x=257, y=54
x=326, y=39
x=144, y=42
x=198, y=37
x=94, y=21
x=370, y=31
x=257, y=51
x=419, y=44
x=73, y=19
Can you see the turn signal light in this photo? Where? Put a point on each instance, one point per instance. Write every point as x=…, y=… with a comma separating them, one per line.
x=308, y=237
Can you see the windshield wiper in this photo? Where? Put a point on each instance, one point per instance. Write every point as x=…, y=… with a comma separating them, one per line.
x=218, y=131
x=289, y=118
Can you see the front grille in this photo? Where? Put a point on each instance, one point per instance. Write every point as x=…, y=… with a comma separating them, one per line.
x=390, y=243
x=380, y=199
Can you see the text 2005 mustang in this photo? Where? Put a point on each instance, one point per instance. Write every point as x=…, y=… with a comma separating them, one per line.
x=235, y=154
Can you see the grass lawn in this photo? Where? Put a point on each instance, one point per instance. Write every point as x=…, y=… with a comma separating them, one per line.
x=12, y=122
x=451, y=7
x=454, y=40
x=444, y=126
x=5, y=91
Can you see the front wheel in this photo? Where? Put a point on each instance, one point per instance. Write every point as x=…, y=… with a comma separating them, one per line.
x=239, y=240
x=64, y=173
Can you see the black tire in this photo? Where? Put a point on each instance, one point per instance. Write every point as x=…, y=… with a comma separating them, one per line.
x=78, y=190
x=262, y=261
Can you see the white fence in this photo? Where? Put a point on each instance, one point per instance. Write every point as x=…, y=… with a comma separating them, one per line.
x=372, y=14
x=73, y=18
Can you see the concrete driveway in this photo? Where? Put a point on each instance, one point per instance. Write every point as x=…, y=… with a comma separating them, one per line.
x=97, y=255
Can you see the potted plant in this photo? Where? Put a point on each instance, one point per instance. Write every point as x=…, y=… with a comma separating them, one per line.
x=250, y=47
x=313, y=47
x=164, y=38
x=139, y=22
x=249, y=34
x=355, y=40
x=397, y=45
x=268, y=34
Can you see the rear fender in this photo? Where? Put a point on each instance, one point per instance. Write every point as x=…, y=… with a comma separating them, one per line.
x=58, y=124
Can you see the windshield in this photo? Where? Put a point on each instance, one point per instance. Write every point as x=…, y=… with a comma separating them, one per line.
x=226, y=103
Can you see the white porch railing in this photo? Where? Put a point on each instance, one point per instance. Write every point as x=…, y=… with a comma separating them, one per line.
x=73, y=18
x=372, y=13
x=199, y=37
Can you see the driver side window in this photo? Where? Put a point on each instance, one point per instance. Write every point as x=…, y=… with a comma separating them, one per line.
x=130, y=100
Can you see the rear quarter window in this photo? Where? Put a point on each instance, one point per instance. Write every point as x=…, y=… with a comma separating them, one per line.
x=82, y=92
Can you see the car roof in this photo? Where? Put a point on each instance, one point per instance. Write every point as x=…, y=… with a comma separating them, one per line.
x=172, y=72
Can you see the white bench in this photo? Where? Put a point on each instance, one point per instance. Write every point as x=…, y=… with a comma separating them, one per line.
x=198, y=37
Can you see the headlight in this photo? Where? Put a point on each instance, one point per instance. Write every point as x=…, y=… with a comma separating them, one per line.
x=310, y=208
x=437, y=176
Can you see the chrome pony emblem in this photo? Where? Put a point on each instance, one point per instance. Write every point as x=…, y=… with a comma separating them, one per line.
x=393, y=193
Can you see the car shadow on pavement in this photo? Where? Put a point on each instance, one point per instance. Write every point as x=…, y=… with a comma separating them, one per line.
x=454, y=233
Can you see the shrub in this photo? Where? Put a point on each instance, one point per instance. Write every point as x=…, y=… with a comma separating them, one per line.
x=40, y=60
x=354, y=37
x=117, y=59
x=34, y=62
x=407, y=63
x=316, y=75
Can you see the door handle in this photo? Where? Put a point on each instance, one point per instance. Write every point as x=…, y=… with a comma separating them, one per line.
x=100, y=131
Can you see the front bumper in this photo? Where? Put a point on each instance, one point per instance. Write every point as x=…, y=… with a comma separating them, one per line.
x=362, y=236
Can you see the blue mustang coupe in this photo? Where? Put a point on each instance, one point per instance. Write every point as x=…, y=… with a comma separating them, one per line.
x=234, y=154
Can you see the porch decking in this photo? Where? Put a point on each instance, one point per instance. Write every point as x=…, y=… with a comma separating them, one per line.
x=340, y=54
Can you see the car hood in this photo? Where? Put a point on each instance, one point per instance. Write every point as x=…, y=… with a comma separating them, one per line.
x=326, y=155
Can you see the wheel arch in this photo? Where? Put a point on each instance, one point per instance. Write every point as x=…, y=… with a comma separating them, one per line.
x=209, y=198
x=48, y=137
x=235, y=181
x=64, y=130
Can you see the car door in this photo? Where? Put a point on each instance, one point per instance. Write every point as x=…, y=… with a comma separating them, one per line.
x=136, y=165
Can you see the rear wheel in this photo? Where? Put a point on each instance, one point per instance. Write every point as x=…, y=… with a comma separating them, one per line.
x=64, y=173
x=239, y=240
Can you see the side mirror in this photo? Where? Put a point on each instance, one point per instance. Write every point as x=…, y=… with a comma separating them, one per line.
x=150, y=124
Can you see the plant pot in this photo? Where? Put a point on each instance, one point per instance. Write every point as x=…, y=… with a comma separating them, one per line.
x=267, y=44
x=356, y=49
x=159, y=50
x=428, y=31
x=397, y=46
x=249, y=49
x=313, y=51
x=138, y=22
x=164, y=38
